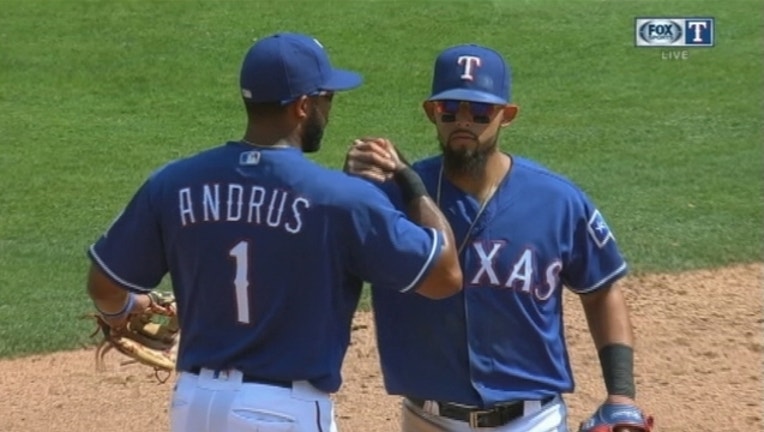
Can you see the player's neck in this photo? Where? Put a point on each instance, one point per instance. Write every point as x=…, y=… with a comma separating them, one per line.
x=265, y=137
x=483, y=184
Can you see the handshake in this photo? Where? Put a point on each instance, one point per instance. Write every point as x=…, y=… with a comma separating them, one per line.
x=375, y=159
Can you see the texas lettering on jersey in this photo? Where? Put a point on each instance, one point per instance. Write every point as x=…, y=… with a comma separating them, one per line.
x=501, y=338
x=521, y=274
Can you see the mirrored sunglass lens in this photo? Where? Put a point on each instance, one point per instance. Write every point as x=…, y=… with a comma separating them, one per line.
x=481, y=109
x=450, y=106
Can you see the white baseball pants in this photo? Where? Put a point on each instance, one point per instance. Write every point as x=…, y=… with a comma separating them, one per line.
x=552, y=417
x=221, y=402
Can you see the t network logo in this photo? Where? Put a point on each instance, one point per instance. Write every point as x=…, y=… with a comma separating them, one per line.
x=674, y=32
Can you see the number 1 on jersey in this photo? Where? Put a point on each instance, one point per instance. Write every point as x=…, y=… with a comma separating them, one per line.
x=240, y=252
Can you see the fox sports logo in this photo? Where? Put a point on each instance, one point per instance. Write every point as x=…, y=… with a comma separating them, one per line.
x=660, y=32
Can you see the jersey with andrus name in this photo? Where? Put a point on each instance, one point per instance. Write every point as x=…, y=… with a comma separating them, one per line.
x=267, y=252
x=501, y=338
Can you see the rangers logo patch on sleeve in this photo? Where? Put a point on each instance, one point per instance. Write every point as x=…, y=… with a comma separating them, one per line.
x=599, y=230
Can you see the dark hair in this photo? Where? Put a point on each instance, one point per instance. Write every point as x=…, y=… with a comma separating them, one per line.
x=264, y=109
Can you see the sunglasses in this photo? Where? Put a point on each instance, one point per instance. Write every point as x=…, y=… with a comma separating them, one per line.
x=328, y=95
x=481, y=112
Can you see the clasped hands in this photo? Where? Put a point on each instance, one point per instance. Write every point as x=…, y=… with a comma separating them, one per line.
x=375, y=159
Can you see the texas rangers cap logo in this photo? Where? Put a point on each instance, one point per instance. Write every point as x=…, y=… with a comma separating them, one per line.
x=469, y=64
x=471, y=73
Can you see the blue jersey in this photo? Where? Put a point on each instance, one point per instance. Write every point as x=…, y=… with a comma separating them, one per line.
x=502, y=337
x=267, y=252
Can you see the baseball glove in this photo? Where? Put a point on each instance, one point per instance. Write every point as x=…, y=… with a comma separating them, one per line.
x=149, y=338
x=617, y=418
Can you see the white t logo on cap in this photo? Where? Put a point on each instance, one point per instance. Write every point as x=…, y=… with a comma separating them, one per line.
x=469, y=62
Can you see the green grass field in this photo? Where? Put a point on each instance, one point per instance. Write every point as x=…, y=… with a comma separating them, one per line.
x=96, y=94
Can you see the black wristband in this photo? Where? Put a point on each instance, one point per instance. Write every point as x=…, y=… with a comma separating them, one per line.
x=410, y=184
x=617, y=361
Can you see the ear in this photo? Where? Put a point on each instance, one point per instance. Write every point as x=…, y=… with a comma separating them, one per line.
x=509, y=114
x=300, y=108
x=429, y=110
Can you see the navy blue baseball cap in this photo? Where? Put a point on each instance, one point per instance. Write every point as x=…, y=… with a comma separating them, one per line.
x=472, y=73
x=284, y=66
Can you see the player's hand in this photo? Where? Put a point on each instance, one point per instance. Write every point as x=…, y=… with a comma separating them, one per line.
x=398, y=162
x=618, y=414
x=373, y=158
x=625, y=400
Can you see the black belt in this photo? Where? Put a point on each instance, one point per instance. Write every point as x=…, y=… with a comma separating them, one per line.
x=476, y=417
x=252, y=379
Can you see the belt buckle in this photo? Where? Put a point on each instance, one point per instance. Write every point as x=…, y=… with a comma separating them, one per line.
x=475, y=417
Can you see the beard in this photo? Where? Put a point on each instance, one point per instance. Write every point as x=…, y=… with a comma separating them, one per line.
x=312, y=132
x=465, y=161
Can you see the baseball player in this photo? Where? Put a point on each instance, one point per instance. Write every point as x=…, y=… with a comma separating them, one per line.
x=268, y=251
x=494, y=356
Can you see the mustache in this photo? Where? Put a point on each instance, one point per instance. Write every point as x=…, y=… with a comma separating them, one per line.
x=462, y=132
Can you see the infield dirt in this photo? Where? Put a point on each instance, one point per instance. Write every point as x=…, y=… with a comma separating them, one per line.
x=698, y=366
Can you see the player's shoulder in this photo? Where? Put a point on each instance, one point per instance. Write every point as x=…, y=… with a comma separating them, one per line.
x=429, y=167
x=182, y=165
x=343, y=188
x=537, y=176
